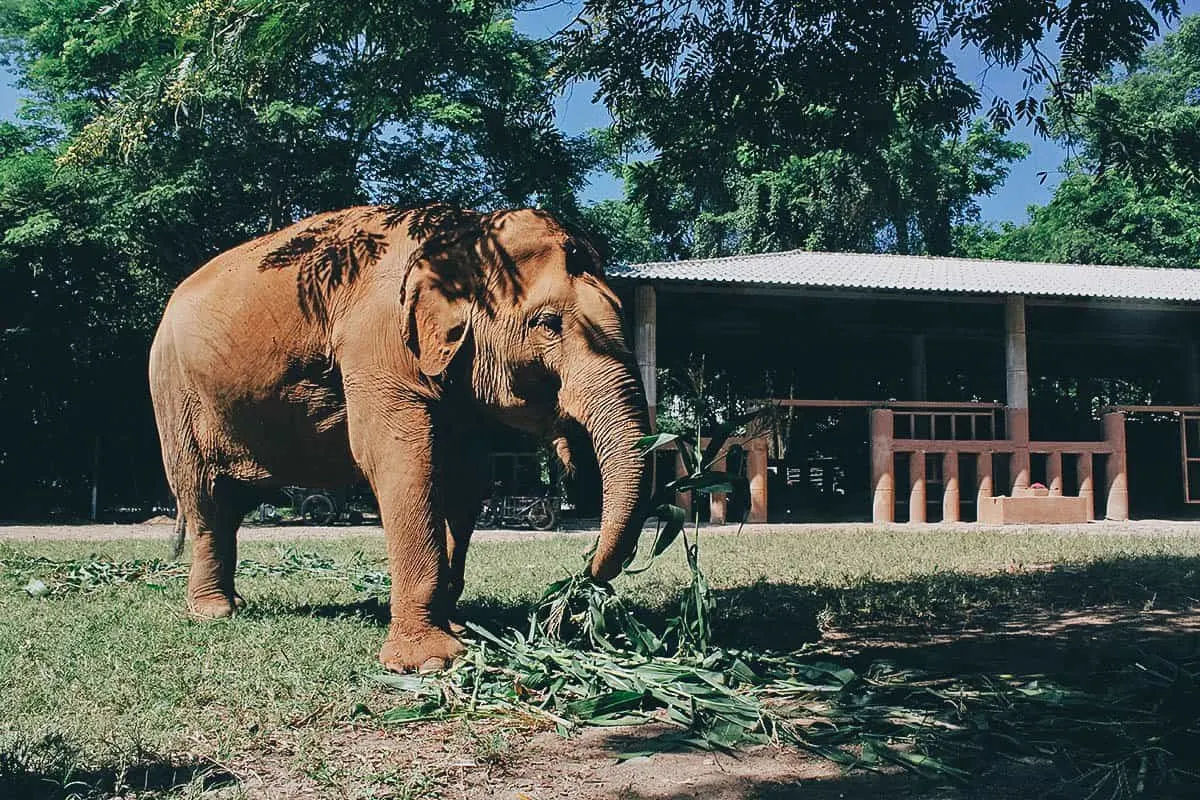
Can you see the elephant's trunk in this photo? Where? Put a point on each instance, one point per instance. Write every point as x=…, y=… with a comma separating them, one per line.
x=615, y=420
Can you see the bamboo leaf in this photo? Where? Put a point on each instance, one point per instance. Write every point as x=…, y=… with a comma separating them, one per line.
x=604, y=704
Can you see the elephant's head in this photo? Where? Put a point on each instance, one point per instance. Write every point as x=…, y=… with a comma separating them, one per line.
x=520, y=305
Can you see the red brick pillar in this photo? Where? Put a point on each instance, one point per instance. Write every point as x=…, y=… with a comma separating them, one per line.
x=1086, y=487
x=718, y=502
x=1117, y=475
x=1054, y=473
x=1018, y=432
x=951, y=495
x=756, y=471
x=883, y=469
x=916, y=491
x=682, y=499
x=983, y=482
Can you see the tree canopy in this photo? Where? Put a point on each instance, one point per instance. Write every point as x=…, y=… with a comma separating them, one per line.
x=1131, y=194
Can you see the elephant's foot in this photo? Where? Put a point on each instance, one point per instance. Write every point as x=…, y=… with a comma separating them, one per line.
x=215, y=606
x=428, y=651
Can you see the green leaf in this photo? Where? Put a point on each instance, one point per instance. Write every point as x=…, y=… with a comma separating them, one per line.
x=672, y=519
x=705, y=482
x=725, y=430
x=648, y=444
x=604, y=704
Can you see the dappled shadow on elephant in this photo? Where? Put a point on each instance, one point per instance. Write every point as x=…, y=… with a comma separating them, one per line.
x=47, y=768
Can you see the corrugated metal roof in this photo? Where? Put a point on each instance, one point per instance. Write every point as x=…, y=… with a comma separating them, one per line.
x=926, y=274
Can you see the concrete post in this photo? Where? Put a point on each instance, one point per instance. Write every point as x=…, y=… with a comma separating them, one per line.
x=718, y=502
x=756, y=471
x=1018, y=433
x=920, y=371
x=1191, y=370
x=1086, y=487
x=1116, y=476
x=883, y=470
x=916, y=491
x=1016, y=355
x=645, y=344
x=983, y=482
x=1054, y=473
x=950, y=495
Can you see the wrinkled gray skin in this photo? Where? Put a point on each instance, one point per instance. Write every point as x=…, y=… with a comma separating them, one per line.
x=372, y=342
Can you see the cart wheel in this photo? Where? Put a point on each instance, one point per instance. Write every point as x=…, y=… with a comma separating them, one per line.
x=268, y=513
x=541, y=516
x=317, y=509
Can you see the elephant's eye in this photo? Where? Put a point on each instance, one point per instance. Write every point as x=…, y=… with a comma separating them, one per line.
x=548, y=320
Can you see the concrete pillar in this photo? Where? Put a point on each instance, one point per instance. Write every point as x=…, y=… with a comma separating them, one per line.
x=916, y=490
x=950, y=497
x=1086, y=487
x=983, y=482
x=920, y=370
x=1054, y=473
x=883, y=469
x=1116, y=476
x=645, y=344
x=1191, y=371
x=1016, y=354
x=1018, y=433
x=756, y=471
x=682, y=499
x=718, y=502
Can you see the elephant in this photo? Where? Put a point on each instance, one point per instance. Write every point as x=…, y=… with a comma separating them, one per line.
x=376, y=342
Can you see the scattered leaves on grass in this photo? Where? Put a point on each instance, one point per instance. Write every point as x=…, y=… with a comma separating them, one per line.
x=54, y=578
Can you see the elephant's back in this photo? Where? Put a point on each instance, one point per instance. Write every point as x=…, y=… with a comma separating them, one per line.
x=317, y=249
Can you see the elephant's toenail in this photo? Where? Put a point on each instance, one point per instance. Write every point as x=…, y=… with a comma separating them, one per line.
x=434, y=664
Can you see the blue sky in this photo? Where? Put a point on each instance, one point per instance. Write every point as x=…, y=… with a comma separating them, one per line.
x=577, y=113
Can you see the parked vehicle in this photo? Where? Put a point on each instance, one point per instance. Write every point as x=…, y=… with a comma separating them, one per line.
x=512, y=511
x=313, y=507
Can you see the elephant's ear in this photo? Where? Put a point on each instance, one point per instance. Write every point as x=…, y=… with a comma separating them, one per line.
x=439, y=291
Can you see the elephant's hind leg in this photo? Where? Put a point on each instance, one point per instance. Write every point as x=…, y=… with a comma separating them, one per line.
x=212, y=523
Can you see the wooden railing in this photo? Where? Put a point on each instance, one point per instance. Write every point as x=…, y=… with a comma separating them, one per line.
x=886, y=445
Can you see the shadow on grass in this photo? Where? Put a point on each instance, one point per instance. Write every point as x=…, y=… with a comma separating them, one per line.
x=1042, y=601
x=49, y=768
x=1117, y=639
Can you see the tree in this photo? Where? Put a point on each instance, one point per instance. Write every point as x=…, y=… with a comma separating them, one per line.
x=160, y=132
x=905, y=198
x=1131, y=194
x=697, y=80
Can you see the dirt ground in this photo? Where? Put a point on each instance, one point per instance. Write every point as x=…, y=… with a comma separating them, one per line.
x=161, y=528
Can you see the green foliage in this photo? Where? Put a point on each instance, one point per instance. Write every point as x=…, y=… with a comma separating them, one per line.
x=157, y=134
x=905, y=197
x=770, y=122
x=702, y=78
x=1131, y=194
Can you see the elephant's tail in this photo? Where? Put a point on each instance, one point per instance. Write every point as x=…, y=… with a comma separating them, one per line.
x=180, y=533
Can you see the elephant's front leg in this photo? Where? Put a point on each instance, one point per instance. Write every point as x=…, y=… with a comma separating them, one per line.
x=393, y=447
x=464, y=486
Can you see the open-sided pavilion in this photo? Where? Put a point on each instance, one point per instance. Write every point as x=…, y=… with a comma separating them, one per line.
x=922, y=389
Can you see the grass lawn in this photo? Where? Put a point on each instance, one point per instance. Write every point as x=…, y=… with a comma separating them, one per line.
x=111, y=691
